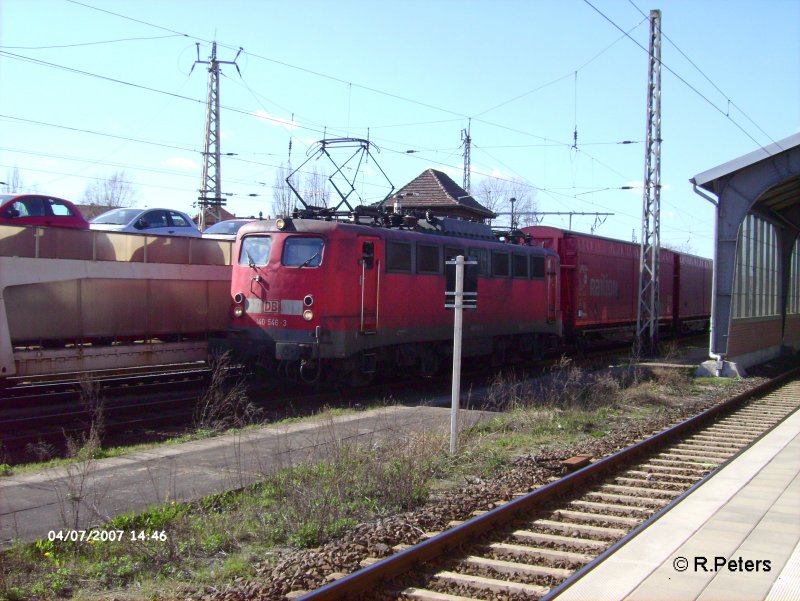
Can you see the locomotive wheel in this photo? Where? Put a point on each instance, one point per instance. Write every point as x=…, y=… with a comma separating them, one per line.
x=310, y=371
x=386, y=369
x=499, y=355
x=357, y=378
x=537, y=352
x=428, y=363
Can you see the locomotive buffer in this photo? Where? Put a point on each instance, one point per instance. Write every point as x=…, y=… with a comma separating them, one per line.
x=461, y=292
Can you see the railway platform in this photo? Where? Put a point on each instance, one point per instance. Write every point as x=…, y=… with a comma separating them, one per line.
x=735, y=536
x=87, y=494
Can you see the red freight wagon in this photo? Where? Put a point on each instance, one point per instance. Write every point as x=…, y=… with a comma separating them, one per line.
x=600, y=281
x=693, y=299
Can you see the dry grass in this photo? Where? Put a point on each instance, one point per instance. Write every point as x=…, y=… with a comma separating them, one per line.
x=316, y=499
x=224, y=404
x=564, y=386
x=299, y=505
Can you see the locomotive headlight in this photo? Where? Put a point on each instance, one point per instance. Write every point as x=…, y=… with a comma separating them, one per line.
x=308, y=300
x=280, y=223
x=238, y=311
x=308, y=315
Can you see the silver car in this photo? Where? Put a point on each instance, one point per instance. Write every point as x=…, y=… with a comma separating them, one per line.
x=162, y=222
x=226, y=230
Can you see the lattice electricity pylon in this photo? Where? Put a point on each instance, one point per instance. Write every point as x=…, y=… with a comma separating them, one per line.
x=647, y=314
x=346, y=188
x=467, y=141
x=211, y=198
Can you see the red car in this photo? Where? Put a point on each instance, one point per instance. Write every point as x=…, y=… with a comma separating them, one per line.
x=39, y=209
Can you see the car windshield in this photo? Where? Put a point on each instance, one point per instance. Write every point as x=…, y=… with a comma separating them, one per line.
x=225, y=227
x=255, y=250
x=117, y=217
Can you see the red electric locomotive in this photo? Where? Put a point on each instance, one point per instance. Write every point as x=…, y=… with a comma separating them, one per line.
x=351, y=293
x=314, y=296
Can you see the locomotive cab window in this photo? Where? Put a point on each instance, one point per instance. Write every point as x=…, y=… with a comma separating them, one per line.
x=537, y=268
x=499, y=264
x=519, y=266
x=398, y=257
x=451, y=253
x=428, y=259
x=482, y=257
x=368, y=254
x=255, y=250
x=300, y=251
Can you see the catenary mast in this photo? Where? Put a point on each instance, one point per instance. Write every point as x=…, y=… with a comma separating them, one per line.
x=211, y=198
x=647, y=314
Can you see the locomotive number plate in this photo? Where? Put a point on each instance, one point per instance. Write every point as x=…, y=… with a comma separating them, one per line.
x=271, y=306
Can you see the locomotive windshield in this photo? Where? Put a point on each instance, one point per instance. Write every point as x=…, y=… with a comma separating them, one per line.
x=302, y=252
x=255, y=250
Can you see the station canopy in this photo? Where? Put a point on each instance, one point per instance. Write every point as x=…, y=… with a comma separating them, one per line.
x=777, y=166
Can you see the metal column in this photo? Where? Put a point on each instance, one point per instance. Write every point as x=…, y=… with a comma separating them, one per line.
x=647, y=313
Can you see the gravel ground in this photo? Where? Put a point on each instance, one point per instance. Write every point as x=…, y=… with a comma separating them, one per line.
x=309, y=569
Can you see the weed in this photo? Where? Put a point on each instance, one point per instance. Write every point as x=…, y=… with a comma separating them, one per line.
x=676, y=380
x=114, y=571
x=224, y=404
x=42, y=451
x=318, y=498
x=236, y=566
x=76, y=493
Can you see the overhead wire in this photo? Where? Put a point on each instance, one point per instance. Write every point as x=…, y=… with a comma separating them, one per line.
x=136, y=140
x=706, y=77
x=334, y=78
x=726, y=114
x=331, y=78
x=147, y=88
x=115, y=41
x=427, y=105
x=557, y=79
x=139, y=86
x=350, y=84
x=127, y=18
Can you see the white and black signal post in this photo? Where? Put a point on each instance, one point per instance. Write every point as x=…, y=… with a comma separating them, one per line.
x=460, y=293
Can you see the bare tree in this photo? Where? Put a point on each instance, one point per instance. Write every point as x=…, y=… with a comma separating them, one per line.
x=114, y=191
x=487, y=192
x=317, y=191
x=496, y=194
x=283, y=199
x=680, y=247
x=14, y=183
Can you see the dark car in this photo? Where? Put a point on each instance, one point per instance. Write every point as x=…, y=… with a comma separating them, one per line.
x=40, y=209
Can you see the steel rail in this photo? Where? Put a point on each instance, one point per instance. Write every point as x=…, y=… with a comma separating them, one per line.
x=435, y=547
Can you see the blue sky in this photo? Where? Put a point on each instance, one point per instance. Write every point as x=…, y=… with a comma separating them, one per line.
x=97, y=86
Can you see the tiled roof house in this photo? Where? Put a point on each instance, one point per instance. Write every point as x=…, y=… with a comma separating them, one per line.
x=89, y=212
x=211, y=219
x=436, y=191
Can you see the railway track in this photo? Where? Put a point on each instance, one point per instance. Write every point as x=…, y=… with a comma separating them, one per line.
x=530, y=547
x=38, y=415
x=21, y=392
x=43, y=411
